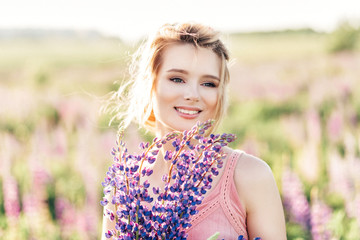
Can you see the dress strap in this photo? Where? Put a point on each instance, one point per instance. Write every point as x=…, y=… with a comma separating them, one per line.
x=230, y=168
x=229, y=199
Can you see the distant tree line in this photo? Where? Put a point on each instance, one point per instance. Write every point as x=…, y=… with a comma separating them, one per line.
x=344, y=38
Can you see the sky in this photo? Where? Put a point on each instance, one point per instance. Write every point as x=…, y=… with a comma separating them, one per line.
x=133, y=19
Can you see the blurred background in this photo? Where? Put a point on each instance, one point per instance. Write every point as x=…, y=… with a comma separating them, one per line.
x=295, y=102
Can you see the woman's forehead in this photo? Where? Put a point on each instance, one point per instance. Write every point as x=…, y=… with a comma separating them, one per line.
x=190, y=58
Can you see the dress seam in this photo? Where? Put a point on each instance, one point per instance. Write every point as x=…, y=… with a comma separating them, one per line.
x=226, y=193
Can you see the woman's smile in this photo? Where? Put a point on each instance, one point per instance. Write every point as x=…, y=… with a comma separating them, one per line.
x=188, y=112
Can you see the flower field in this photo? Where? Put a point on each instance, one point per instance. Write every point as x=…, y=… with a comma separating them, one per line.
x=292, y=103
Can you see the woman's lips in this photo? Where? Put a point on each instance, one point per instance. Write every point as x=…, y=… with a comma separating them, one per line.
x=187, y=112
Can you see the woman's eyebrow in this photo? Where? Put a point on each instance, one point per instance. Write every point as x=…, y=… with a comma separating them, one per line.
x=212, y=76
x=177, y=70
x=186, y=72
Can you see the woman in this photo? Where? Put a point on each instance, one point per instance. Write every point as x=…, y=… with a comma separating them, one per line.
x=179, y=79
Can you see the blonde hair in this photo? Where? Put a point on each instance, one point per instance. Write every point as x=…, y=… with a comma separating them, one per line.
x=133, y=100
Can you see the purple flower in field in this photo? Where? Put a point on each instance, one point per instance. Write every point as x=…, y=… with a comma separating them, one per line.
x=34, y=202
x=66, y=214
x=30, y=205
x=40, y=178
x=294, y=199
x=137, y=215
x=313, y=126
x=344, y=176
x=11, y=198
x=60, y=142
x=335, y=126
x=320, y=217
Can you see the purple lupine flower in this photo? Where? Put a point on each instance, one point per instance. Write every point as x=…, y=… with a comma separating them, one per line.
x=29, y=207
x=10, y=189
x=40, y=178
x=60, y=142
x=188, y=179
x=313, y=126
x=66, y=215
x=320, y=217
x=343, y=175
x=34, y=202
x=241, y=237
x=335, y=125
x=11, y=198
x=337, y=177
x=294, y=199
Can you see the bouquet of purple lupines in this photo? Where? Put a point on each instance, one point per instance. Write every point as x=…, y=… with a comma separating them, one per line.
x=195, y=158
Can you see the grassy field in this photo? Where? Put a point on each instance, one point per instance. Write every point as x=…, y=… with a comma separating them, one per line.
x=292, y=103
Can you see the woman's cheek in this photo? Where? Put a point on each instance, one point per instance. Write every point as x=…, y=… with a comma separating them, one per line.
x=211, y=97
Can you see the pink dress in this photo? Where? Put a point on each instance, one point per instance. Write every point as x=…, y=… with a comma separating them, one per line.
x=221, y=210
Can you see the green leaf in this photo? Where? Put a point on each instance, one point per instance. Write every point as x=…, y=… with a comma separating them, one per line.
x=214, y=237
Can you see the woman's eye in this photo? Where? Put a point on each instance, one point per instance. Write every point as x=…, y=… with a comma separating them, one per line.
x=209, y=84
x=176, y=79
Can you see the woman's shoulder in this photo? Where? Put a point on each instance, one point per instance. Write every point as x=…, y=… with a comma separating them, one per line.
x=248, y=165
x=253, y=178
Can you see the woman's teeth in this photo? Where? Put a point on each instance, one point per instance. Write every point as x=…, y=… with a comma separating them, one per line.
x=190, y=112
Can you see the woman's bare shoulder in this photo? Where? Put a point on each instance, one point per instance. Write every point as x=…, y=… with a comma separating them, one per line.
x=253, y=178
x=250, y=167
x=255, y=182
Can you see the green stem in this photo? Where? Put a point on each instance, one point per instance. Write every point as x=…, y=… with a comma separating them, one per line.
x=147, y=151
x=177, y=155
x=137, y=221
x=202, y=177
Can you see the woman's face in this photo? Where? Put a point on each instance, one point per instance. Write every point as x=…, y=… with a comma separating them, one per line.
x=187, y=87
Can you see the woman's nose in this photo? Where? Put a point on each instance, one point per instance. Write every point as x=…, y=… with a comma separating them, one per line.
x=192, y=93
